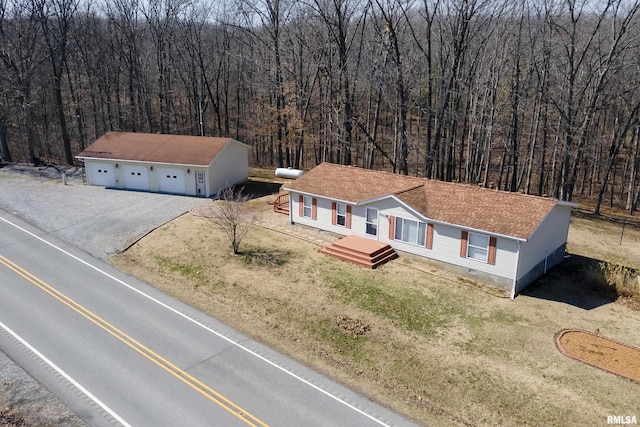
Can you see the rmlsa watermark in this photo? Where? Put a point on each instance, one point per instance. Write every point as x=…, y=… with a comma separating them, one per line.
x=622, y=419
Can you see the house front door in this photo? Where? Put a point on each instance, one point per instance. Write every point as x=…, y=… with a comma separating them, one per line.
x=371, y=223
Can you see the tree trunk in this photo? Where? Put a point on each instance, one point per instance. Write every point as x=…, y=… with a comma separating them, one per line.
x=635, y=163
x=6, y=152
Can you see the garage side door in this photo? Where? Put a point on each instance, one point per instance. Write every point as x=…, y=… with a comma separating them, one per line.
x=101, y=174
x=171, y=181
x=136, y=177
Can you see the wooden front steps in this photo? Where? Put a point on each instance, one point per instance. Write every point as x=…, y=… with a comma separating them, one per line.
x=281, y=204
x=361, y=251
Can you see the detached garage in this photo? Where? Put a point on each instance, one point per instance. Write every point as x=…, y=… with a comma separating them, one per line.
x=175, y=164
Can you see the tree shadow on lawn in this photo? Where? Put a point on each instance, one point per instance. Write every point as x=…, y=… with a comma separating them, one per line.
x=578, y=281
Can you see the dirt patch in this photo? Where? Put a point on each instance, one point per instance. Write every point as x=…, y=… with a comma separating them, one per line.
x=601, y=352
x=352, y=327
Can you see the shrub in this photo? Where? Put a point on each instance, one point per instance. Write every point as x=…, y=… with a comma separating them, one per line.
x=625, y=280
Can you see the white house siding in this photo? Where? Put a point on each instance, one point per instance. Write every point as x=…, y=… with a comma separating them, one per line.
x=323, y=215
x=446, y=238
x=548, y=241
x=229, y=167
x=446, y=245
x=446, y=248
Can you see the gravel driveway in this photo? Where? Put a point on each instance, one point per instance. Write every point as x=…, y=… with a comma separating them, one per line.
x=102, y=222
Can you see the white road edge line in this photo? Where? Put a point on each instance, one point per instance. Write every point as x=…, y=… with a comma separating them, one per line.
x=65, y=375
x=229, y=340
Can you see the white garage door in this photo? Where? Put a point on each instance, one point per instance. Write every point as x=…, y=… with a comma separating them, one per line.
x=101, y=174
x=171, y=181
x=136, y=177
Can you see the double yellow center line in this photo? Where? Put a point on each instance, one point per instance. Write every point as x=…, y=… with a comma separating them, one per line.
x=180, y=374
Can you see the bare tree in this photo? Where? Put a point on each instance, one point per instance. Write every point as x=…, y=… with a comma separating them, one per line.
x=274, y=16
x=635, y=165
x=626, y=119
x=395, y=24
x=343, y=19
x=581, y=34
x=55, y=18
x=527, y=94
x=22, y=54
x=233, y=217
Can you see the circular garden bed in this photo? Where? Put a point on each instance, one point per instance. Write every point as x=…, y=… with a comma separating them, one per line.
x=601, y=352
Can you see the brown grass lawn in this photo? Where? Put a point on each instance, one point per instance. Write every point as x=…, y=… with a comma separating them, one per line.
x=434, y=348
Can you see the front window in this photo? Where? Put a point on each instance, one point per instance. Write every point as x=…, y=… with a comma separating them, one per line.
x=341, y=214
x=372, y=222
x=410, y=231
x=478, y=247
x=307, y=209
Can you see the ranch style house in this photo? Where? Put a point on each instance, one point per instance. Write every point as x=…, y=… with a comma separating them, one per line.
x=503, y=238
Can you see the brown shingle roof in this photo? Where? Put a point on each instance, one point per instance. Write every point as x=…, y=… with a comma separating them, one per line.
x=159, y=148
x=351, y=184
x=499, y=212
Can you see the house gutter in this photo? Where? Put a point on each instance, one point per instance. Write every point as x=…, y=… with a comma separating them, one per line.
x=290, y=209
x=570, y=204
x=84, y=159
x=304, y=193
x=515, y=274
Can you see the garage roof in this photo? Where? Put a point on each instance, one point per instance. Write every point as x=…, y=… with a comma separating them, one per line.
x=156, y=148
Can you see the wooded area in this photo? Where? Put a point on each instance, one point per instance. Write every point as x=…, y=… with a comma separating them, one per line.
x=538, y=96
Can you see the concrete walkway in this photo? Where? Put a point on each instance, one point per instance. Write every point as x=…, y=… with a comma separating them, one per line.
x=279, y=222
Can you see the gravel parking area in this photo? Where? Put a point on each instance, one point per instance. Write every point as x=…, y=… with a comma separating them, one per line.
x=100, y=221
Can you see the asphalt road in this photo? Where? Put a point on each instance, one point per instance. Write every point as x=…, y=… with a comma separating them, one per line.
x=116, y=351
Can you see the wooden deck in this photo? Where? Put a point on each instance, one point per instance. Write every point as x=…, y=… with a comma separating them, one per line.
x=361, y=251
x=281, y=204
